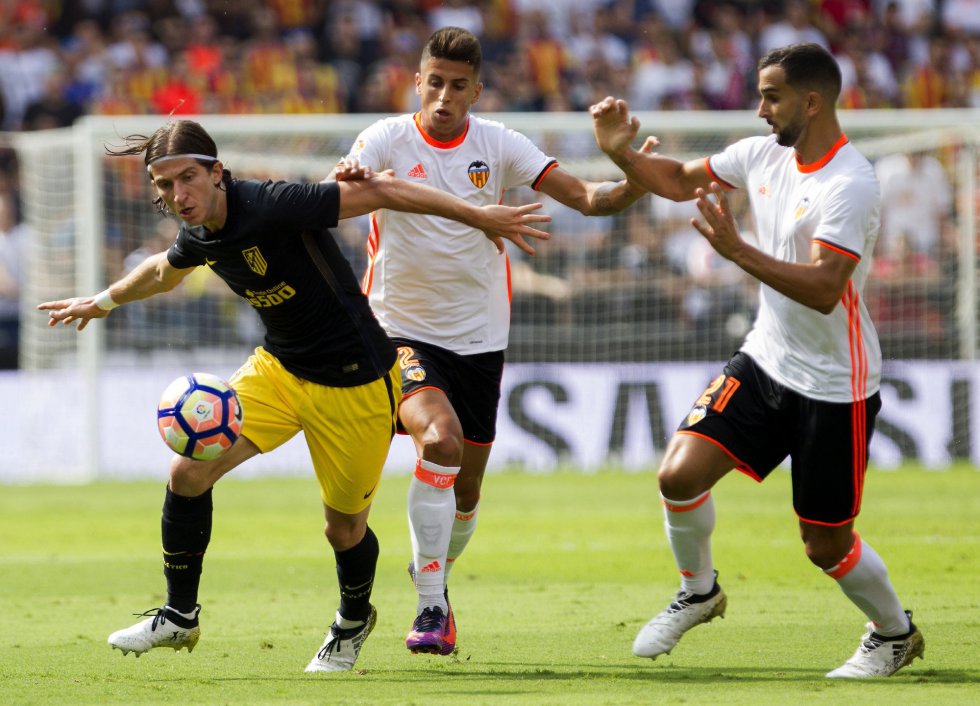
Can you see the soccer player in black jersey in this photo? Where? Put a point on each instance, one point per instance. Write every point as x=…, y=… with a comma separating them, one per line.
x=326, y=364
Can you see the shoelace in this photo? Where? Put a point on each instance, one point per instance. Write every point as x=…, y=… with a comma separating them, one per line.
x=680, y=602
x=872, y=643
x=158, y=615
x=429, y=621
x=332, y=644
x=336, y=635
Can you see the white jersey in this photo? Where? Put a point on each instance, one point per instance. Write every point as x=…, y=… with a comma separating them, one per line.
x=836, y=203
x=432, y=279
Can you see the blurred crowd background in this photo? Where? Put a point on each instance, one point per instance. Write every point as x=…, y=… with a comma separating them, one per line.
x=59, y=60
x=62, y=59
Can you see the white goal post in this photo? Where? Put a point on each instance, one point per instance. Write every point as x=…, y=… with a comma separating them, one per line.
x=634, y=289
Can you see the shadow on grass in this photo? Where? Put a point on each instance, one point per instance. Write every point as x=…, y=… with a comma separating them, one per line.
x=526, y=673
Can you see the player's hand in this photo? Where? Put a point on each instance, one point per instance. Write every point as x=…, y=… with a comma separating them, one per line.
x=511, y=223
x=351, y=169
x=69, y=311
x=719, y=227
x=613, y=127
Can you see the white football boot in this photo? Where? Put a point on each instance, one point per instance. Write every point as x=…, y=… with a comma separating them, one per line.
x=341, y=647
x=664, y=631
x=881, y=656
x=163, y=628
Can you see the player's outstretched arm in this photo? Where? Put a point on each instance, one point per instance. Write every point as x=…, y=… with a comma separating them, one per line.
x=383, y=190
x=152, y=276
x=615, y=130
x=590, y=198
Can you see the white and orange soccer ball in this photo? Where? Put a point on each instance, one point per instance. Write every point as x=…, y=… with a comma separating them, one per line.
x=199, y=416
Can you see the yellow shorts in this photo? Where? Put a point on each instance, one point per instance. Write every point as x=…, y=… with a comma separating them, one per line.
x=348, y=429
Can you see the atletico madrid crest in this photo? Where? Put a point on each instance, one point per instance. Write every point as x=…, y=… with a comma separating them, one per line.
x=478, y=172
x=256, y=263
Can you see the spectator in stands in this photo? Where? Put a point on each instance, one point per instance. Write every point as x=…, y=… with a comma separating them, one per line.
x=133, y=45
x=343, y=50
x=666, y=81
x=25, y=63
x=961, y=17
x=868, y=79
x=917, y=199
x=84, y=53
x=592, y=37
x=547, y=57
x=456, y=13
x=52, y=109
x=793, y=26
x=930, y=83
x=182, y=91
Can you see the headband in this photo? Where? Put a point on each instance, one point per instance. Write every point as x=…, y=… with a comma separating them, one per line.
x=191, y=155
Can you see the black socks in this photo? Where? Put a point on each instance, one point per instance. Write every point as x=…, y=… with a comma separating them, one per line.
x=355, y=573
x=186, y=532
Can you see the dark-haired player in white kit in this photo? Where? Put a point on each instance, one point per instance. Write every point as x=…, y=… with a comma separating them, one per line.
x=444, y=297
x=805, y=382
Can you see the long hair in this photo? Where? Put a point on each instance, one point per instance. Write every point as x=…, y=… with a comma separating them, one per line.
x=176, y=138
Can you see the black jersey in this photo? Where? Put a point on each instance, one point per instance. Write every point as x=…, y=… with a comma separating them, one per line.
x=328, y=337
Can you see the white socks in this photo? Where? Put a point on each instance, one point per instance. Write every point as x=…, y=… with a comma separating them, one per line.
x=464, y=524
x=689, y=525
x=431, y=511
x=863, y=578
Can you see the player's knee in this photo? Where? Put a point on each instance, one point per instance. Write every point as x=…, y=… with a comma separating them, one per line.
x=825, y=551
x=675, y=483
x=443, y=447
x=343, y=535
x=818, y=555
x=189, y=478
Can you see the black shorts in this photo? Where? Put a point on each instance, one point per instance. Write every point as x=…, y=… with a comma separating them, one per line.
x=471, y=382
x=759, y=422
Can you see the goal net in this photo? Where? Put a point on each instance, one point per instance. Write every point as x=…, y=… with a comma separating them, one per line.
x=635, y=288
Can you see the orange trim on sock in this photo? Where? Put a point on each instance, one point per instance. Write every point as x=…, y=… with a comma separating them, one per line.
x=849, y=561
x=465, y=516
x=685, y=508
x=436, y=480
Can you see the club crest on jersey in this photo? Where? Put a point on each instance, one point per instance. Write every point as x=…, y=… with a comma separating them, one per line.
x=256, y=263
x=696, y=415
x=802, y=207
x=478, y=173
x=415, y=373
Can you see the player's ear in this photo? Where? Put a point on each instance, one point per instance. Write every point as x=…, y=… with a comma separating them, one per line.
x=476, y=93
x=418, y=84
x=813, y=102
x=217, y=169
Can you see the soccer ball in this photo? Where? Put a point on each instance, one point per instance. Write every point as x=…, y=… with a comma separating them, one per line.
x=199, y=416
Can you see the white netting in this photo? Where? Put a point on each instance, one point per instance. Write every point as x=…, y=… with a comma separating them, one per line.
x=637, y=287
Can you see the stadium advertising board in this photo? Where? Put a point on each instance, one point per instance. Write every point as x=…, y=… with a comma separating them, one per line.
x=571, y=415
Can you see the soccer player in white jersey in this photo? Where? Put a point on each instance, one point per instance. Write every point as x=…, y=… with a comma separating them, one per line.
x=805, y=382
x=445, y=299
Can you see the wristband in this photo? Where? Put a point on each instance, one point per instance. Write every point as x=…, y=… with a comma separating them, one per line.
x=104, y=301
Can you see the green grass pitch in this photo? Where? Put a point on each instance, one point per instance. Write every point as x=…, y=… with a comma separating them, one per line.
x=563, y=570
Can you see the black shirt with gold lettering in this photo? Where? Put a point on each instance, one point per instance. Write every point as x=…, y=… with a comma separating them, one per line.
x=326, y=336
